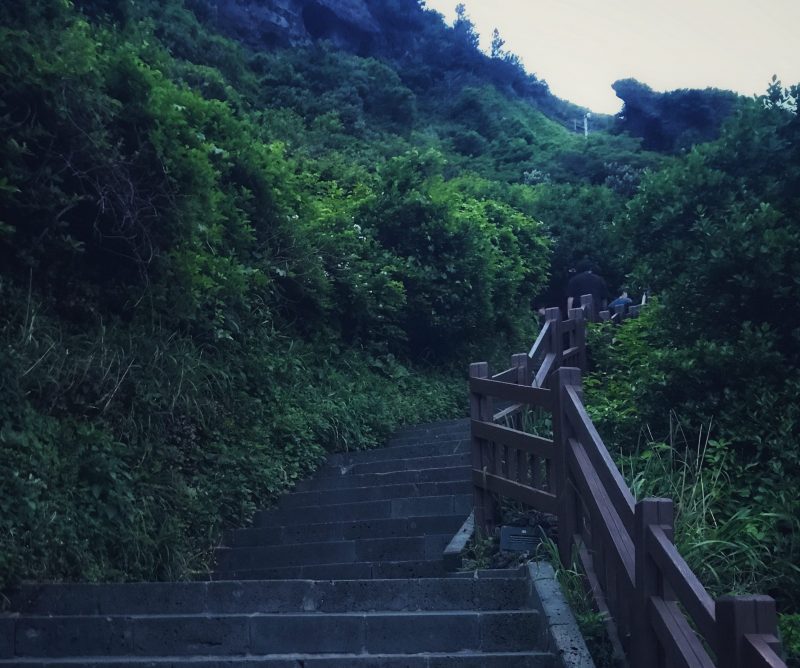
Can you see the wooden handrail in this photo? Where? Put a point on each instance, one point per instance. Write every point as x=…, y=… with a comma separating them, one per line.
x=519, y=440
x=613, y=529
x=760, y=651
x=601, y=460
x=544, y=371
x=663, y=614
x=541, y=340
x=507, y=376
x=533, y=396
x=683, y=582
x=685, y=648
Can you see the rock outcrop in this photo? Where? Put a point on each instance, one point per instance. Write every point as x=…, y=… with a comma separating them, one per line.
x=349, y=24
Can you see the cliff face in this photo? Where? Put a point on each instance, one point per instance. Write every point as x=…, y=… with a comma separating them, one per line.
x=347, y=23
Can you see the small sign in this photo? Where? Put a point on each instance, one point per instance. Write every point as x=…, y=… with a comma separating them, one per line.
x=519, y=539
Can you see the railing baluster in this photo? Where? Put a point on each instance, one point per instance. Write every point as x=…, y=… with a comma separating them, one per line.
x=645, y=647
x=588, y=306
x=481, y=408
x=553, y=315
x=567, y=516
x=579, y=339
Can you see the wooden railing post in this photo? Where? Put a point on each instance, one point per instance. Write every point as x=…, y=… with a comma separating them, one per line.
x=587, y=304
x=556, y=338
x=481, y=408
x=738, y=616
x=645, y=650
x=520, y=363
x=579, y=317
x=559, y=475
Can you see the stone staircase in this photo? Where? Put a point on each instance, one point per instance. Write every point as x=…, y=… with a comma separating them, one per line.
x=345, y=571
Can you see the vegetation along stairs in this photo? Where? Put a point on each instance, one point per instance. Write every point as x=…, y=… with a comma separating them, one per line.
x=346, y=571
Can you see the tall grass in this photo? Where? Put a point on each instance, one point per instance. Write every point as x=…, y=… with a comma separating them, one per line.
x=730, y=546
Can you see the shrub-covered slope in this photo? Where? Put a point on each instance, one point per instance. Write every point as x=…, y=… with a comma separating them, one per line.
x=217, y=264
x=700, y=394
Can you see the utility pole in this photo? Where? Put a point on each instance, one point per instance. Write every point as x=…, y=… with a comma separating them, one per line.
x=586, y=124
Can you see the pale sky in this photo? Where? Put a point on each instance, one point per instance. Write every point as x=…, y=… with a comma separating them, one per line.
x=580, y=47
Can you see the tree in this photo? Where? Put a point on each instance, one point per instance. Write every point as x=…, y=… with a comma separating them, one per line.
x=497, y=45
x=464, y=26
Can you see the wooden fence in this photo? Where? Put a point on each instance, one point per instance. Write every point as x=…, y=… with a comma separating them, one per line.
x=661, y=614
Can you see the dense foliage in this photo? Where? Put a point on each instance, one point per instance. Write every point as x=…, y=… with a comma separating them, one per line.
x=700, y=394
x=675, y=120
x=219, y=264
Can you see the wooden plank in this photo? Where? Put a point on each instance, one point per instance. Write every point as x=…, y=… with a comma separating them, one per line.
x=534, y=445
x=645, y=647
x=738, y=617
x=587, y=563
x=540, y=345
x=603, y=515
x=481, y=409
x=520, y=362
x=535, y=472
x=522, y=467
x=506, y=412
x=507, y=376
x=612, y=479
x=679, y=642
x=759, y=651
x=687, y=588
x=522, y=394
x=571, y=352
x=580, y=340
x=567, y=326
x=544, y=370
x=559, y=470
x=589, y=307
x=536, y=498
x=556, y=344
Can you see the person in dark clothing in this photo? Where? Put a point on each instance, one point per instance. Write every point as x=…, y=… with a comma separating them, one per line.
x=622, y=300
x=586, y=282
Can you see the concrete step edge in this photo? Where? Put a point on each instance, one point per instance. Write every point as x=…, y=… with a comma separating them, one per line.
x=234, y=537
x=319, y=483
x=383, y=493
x=286, y=615
x=328, y=544
x=367, y=501
x=214, y=660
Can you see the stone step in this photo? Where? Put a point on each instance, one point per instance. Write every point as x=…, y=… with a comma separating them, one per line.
x=417, y=660
x=367, y=510
x=263, y=634
x=409, y=548
x=492, y=573
x=437, y=449
x=395, y=465
x=351, y=530
x=348, y=480
x=449, y=427
x=427, y=439
x=375, y=493
x=271, y=596
x=362, y=570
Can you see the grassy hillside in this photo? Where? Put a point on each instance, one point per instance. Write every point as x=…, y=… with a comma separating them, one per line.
x=217, y=265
